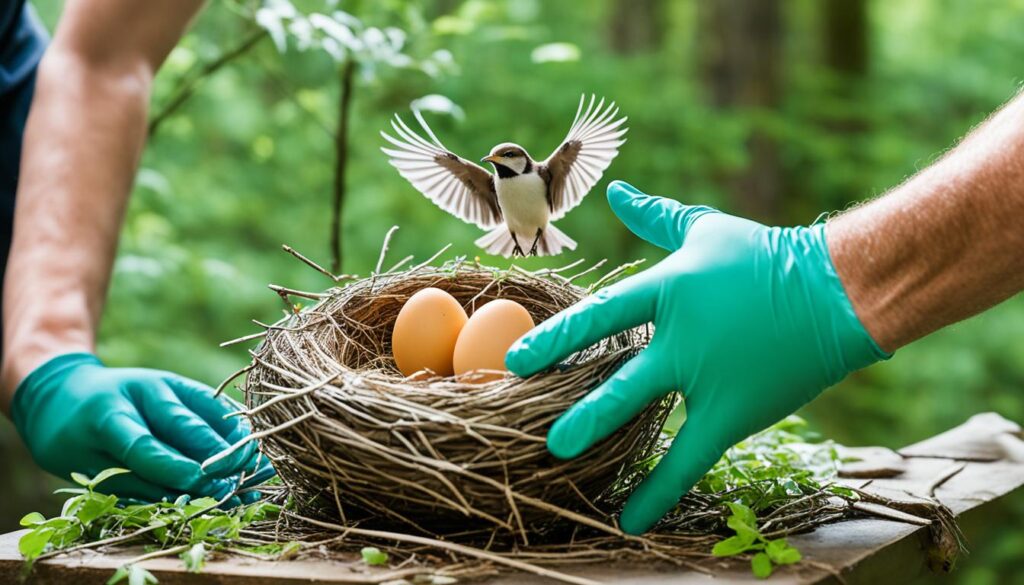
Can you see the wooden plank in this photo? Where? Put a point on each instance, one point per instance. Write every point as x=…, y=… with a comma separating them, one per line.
x=985, y=452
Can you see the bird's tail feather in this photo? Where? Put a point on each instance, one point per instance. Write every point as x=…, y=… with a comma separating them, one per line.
x=554, y=241
x=499, y=242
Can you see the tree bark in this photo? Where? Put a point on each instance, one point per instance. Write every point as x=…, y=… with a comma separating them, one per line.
x=636, y=26
x=844, y=30
x=741, y=65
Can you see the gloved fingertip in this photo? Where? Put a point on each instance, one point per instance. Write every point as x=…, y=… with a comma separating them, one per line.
x=519, y=359
x=250, y=497
x=645, y=506
x=232, y=502
x=622, y=187
x=635, y=522
x=569, y=436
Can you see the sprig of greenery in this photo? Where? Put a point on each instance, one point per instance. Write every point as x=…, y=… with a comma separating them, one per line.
x=767, y=553
x=754, y=478
x=196, y=527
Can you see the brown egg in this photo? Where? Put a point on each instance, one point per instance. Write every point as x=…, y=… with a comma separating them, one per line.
x=425, y=333
x=485, y=339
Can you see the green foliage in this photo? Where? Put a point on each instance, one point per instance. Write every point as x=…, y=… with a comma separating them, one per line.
x=198, y=527
x=748, y=539
x=783, y=461
x=373, y=556
x=135, y=575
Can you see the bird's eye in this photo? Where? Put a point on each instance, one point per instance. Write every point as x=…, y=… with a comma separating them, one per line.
x=509, y=154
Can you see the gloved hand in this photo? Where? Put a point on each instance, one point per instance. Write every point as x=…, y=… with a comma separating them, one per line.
x=750, y=323
x=75, y=414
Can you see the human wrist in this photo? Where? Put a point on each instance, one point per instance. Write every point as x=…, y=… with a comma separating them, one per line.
x=26, y=396
x=870, y=284
x=25, y=353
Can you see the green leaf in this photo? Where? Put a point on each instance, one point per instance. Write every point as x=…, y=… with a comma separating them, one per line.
x=95, y=506
x=289, y=550
x=71, y=491
x=742, y=528
x=733, y=545
x=81, y=479
x=761, y=565
x=34, y=542
x=194, y=558
x=374, y=556
x=782, y=553
x=32, y=518
x=743, y=513
x=139, y=576
x=107, y=474
x=119, y=575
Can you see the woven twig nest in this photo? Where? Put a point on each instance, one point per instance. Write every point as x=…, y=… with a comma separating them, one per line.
x=353, y=437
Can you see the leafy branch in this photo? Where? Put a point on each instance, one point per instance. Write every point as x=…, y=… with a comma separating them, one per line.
x=189, y=528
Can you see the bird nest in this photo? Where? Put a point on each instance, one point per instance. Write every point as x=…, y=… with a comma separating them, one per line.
x=355, y=439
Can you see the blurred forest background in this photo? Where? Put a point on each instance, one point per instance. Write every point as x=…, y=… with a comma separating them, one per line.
x=779, y=110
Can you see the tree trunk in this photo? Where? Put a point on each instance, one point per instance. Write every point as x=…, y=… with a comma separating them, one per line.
x=636, y=26
x=346, y=75
x=844, y=31
x=741, y=66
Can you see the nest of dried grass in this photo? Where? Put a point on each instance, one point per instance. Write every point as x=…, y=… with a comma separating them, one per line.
x=350, y=435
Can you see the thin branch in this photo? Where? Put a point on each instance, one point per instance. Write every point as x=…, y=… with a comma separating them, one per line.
x=190, y=83
x=347, y=75
x=384, y=248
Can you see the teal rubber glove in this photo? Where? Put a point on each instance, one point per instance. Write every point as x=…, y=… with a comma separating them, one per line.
x=750, y=323
x=75, y=414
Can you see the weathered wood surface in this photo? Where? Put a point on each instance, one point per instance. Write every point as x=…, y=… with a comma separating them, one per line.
x=979, y=461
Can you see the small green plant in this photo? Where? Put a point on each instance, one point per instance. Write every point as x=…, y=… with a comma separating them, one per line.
x=79, y=518
x=748, y=539
x=188, y=528
x=758, y=475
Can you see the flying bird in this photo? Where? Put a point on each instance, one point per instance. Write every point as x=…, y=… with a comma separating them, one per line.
x=517, y=203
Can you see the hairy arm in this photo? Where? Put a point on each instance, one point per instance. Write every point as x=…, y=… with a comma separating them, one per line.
x=85, y=133
x=945, y=245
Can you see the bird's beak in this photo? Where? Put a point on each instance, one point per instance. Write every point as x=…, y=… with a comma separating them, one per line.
x=489, y=158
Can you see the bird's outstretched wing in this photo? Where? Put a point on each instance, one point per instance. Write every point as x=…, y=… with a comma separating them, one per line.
x=578, y=163
x=456, y=185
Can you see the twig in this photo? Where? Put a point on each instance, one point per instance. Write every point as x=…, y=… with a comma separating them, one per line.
x=450, y=546
x=317, y=267
x=347, y=74
x=243, y=338
x=384, y=248
x=157, y=553
x=220, y=387
x=283, y=291
x=188, y=86
x=254, y=437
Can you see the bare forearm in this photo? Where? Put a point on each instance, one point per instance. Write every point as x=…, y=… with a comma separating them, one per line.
x=943, y=246
x=82, y=144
